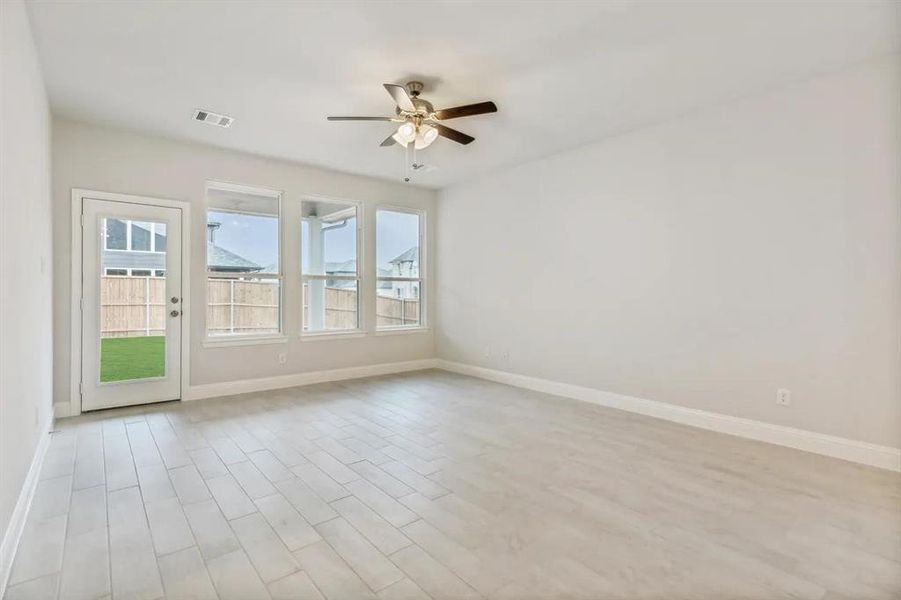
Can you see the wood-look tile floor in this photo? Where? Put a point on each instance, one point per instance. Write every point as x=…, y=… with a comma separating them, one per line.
x=433, y=485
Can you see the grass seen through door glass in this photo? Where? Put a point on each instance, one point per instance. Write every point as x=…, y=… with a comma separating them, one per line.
x=125, y=358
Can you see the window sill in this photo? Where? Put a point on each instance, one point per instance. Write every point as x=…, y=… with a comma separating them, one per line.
x=401, y=330
x=321, y=336
x=244, y=340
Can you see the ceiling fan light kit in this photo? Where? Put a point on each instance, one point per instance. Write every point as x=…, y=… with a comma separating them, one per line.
x=419, y=121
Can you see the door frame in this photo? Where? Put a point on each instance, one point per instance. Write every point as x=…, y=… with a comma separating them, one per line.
x=75, y=347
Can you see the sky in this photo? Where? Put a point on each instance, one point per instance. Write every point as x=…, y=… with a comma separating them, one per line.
x=256, y=237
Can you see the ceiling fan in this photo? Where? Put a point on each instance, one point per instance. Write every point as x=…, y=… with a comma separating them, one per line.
x=419, y=121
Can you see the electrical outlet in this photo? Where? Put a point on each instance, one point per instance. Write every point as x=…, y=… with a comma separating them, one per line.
x=506, y=355
x=783, y=397
x=282, y=358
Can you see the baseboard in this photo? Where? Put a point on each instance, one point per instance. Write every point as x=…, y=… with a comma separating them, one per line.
x=212, y=390
x=20, y=513
x=884, y=457
x=62, y=410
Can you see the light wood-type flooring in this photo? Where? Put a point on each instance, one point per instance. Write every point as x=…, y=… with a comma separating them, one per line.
x=434, y=485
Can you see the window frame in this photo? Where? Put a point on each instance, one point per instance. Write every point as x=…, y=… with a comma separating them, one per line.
x=245, y=339
x=423, y=324
x=360, y=329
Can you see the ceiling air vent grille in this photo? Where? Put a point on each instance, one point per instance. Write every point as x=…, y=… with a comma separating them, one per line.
x=206, y=116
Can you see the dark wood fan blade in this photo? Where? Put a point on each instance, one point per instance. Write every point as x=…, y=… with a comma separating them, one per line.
x=360, y=118
x=388, y=141
x=468, y=110
x=453, y=134
x=401, y=98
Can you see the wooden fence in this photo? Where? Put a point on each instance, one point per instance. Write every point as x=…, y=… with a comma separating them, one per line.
x=237, y=306
x=341, y=309
x=136, y=306
x=132, y=306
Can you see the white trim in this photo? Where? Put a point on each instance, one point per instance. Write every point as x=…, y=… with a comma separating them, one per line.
x=380, y=278
x=13, y=533
x=243, y=188
x=239, y=276
x=335, y=277
x=401, y=330
x=240, y=339
x=229, y=388
x=62, y=410
x=884, y=457
x=331, y=334
x=78, y=195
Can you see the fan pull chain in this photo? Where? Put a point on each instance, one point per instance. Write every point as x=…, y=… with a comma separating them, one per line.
x=407, y=163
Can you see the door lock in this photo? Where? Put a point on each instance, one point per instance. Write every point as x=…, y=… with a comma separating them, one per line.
x=174, y=313
x=175, y=299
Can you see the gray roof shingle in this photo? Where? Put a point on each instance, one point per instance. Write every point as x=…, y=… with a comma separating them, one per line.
x=220, y=259
x=411, y=255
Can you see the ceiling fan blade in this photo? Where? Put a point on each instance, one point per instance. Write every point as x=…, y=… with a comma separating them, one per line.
x=360, y=118
x=388, y=141
x=468, y=110
x=453, y=134
x=401, y=97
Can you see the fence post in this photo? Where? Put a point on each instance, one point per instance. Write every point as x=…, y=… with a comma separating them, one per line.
x=147, y=306
x=231, y=305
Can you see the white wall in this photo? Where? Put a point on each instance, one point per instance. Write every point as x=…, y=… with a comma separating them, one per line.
x=25, y=278
x=704, y=262
x=97, y=158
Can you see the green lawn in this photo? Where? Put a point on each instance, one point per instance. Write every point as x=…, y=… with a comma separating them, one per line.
x=132, y=358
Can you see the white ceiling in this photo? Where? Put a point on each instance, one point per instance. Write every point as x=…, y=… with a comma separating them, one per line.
x=562, y=73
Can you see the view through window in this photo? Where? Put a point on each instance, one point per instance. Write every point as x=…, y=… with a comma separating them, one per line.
x=243, y=272
x=132, y=300
x=331, y=273
x=399, y=279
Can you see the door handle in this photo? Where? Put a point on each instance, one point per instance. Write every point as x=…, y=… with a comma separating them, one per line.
x=174, y=313
x=175, y=299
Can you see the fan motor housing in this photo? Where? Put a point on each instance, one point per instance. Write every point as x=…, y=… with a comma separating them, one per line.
x=424, y=108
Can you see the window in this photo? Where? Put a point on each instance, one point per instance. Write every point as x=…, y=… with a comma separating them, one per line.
x=243, y=269
x=133, y=272
x=135, y=236
x=329, y=266
x=398, y=251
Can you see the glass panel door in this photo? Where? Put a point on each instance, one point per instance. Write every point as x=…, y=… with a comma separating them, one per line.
x=131, y=308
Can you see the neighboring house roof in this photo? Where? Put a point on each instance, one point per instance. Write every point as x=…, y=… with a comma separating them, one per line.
x=220, y=259
x=411, y=255
x=347, y=266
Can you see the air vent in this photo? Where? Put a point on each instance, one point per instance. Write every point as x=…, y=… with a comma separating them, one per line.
x=206, y=116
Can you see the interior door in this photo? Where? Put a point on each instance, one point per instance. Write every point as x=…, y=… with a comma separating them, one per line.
x=131, y=304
